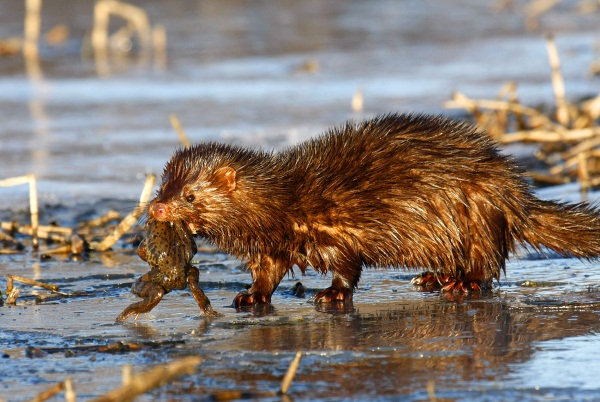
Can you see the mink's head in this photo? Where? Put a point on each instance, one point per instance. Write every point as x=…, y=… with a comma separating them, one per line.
x=197, y=187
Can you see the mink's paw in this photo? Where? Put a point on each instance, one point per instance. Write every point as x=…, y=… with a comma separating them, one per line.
x=446, y=283
x=432, y=281
x=249, y=299
x=456, y=286
x=332, y=294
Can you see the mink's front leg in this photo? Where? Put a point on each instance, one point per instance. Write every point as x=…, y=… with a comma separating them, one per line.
x=345, y=279
x=267, y=272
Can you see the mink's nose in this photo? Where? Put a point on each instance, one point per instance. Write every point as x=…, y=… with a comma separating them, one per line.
x=159, y=211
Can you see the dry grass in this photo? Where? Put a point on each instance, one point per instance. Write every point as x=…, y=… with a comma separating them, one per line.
x=70, y=240
x=63, y=240
x=160, y=375
x=567, y=139
x=534, y=10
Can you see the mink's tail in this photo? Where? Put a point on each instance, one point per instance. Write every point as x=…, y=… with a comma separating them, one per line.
x=571, y=230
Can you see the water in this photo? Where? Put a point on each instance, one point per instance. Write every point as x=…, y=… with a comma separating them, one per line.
x=233, y=72
x=237, y=71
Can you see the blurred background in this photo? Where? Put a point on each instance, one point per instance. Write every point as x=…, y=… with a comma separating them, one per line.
x=88, y=90
x=87, y=106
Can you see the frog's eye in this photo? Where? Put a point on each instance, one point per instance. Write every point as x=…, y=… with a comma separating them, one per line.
x=190, y=198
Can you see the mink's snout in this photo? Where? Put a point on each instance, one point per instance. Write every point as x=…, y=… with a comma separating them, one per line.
x=159, y=211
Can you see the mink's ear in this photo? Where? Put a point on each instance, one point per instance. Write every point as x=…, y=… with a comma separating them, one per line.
x=225, y=178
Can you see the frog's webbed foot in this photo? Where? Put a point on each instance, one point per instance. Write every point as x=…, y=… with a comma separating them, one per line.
x=151, y=294
x=203, y=301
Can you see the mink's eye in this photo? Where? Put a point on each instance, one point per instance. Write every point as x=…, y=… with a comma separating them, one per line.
x=190, y=198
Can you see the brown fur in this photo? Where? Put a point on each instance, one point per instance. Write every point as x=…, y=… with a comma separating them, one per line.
x=403, y=191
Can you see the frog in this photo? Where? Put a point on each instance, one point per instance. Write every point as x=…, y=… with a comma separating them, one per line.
x=168, y=248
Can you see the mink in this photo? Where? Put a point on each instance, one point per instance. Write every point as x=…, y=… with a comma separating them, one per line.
x=400, y=190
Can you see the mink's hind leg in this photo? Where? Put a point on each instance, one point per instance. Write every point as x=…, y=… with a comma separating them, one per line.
x=267, y=272
x=203, y=301
x=151, y=294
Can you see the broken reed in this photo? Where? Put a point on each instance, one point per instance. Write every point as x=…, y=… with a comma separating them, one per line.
x=158, y=376
x=33, y=201
x=68, y=237
x=70, y=240
x=533, y=10
x=569, y=141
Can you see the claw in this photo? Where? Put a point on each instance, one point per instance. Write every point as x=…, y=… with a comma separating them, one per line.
x=249, y=299
x=332, y=294
x=446, y=283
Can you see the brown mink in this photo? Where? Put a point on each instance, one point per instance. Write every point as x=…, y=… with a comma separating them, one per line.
x=406, y=191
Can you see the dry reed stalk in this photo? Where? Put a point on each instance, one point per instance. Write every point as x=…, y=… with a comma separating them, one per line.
x=546, y=178
x=537, y=7
x=57, y=35
x=126, y=375
x=102, y=220
x=12, y=296
x=7, y=237
x=73, y=242
x=290, y=373
x=135, y=16
x=130, y=219
x=558, y=83
x=283, y=389
x=32, y=28
x=592, y=107
x=50, y=392
x=70, y=395
x=358, y=101
x=431, y=390
x=11, y=252
x=564, y=166
x=159, y=43
x=460, y=101
x=9, y=226
x=153, y=378
x=584, y=146
x=179, y=130
x=33, y=201
x=54, y=233
x=32, y=282
x=549, y=136
x=66, y=249
x=595, y=182
x=575, y=128
x=583, y=172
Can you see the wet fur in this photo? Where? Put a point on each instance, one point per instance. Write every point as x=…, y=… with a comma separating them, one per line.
x=407, y=191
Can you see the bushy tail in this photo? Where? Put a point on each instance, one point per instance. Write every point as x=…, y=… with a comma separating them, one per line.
x=572, y=230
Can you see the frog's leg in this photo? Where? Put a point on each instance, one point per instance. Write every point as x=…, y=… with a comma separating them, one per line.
x=151, y=293
x=203, y=302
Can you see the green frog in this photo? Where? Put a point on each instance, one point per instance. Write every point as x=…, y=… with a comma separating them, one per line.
x=168, y=249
